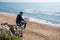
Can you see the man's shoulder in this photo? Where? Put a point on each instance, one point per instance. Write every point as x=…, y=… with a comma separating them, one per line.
x=18, y=15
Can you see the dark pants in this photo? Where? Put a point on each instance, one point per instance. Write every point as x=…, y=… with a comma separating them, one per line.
x=21, y=24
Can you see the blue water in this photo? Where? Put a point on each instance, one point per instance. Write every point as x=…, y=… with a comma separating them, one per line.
x=46, y=11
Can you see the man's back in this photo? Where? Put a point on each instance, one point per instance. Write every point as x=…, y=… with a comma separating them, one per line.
x=19, y=18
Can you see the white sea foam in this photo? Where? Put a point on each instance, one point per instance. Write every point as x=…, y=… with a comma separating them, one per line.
x=42, y=21
x=52, y=13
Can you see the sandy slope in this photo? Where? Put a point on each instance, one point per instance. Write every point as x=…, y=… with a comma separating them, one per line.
x=34, y=31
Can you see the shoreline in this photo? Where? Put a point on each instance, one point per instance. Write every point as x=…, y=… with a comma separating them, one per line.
x=38, y=31
x=34, y=20
x=44, y=22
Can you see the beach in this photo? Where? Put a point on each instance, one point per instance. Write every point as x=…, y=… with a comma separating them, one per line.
x=34, y=30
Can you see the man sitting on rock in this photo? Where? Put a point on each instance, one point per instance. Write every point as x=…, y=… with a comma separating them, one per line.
x=20, y=21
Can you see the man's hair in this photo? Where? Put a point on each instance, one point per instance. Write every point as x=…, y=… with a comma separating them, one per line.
x=21, y=12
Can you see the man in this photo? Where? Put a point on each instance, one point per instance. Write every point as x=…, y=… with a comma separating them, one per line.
x=20, y=21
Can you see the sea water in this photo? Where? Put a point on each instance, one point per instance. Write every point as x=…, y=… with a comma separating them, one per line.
x=39, y=12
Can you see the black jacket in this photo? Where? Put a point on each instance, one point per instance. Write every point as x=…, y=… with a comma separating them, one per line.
x=19, y=19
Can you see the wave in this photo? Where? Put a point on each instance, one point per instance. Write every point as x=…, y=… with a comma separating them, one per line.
x=43, y=21
x=52, y=17
x=33, y=11
x=51, y=13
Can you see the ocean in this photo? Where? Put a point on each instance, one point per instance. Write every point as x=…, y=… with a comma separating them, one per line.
x=40, y=12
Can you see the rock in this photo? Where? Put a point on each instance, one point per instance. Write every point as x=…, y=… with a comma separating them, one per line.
x=12, y=29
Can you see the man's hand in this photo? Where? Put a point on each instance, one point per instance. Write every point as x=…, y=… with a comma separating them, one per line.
x=24, y=21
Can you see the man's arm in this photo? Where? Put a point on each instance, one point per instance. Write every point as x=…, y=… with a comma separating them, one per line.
x=22, y=19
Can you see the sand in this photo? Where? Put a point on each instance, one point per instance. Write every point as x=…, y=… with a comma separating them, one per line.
x=34, y=31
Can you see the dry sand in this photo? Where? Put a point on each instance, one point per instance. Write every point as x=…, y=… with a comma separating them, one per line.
x=34, y=31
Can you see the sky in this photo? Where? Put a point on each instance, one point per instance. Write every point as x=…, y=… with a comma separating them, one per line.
x=29, y=0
